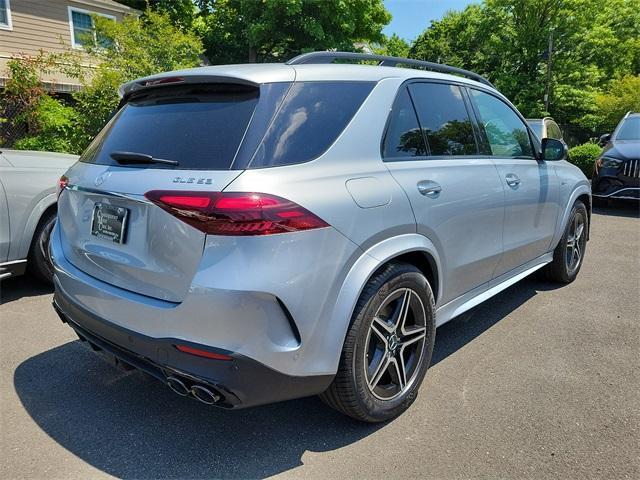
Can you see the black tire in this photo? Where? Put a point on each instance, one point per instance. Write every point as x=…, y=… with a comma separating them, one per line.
x=39, y=262
x=560, y=269
x=350, y=391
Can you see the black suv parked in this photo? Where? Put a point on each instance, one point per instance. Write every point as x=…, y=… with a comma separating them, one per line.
x=617, y=172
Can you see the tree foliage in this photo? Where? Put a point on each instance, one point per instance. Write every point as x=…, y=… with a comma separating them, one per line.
x=507, y=41
x=622, y=96
x=237, y=31
x=47, y=121
x=394, y=46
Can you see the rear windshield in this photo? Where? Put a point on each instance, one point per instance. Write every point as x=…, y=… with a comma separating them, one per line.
x=199, y=127
x=220, y=127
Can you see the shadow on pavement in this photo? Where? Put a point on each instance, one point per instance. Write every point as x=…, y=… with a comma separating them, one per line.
x=24, y=286
x=131, y=426
x=618, y=208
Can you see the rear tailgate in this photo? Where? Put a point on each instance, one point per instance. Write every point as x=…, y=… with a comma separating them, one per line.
x=108, y=228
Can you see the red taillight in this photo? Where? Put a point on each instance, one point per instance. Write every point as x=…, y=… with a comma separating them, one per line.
x=203, y=353
x=236, y=213
x=62, y=184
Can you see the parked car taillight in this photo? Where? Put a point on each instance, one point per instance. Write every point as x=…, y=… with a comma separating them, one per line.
x=62, y=184
x=236, y=213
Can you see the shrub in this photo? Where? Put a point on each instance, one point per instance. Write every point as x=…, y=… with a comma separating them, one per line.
x=52, y=127
x=584, y=156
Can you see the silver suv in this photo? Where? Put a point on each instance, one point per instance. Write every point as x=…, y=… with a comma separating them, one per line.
x=255, y=233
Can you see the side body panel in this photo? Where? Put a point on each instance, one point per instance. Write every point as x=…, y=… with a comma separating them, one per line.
x=531, y=210
x=464, y=221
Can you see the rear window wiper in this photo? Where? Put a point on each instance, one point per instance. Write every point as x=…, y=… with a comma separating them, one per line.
x=128, y=158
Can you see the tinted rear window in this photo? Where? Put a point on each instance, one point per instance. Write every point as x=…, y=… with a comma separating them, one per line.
x=310, y=119
x=444, y=119
x=403, y=138
x=201, y=127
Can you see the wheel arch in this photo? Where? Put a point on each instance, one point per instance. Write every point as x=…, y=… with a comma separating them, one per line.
x=412, y=248
x=581, y=192
x=45, y=206
x=586, y=199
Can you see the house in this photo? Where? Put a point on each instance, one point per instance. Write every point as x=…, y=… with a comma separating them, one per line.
x=27, y=26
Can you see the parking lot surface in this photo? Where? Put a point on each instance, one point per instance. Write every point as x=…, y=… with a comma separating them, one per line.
x=542, y=381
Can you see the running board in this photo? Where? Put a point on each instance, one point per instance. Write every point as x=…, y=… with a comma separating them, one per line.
x=462, y=304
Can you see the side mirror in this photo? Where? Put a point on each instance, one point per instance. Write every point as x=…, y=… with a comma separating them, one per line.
x=604, y=139
x=553, y=149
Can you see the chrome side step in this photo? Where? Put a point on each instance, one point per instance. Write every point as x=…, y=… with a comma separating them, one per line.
x=469, y=300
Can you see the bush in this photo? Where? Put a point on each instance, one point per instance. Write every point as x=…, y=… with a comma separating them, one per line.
x=584, y=156
x=52, y=127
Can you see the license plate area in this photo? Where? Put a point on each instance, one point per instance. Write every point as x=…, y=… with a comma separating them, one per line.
x=109, y=222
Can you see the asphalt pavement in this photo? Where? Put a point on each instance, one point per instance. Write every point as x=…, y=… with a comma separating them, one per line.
x=542, y=381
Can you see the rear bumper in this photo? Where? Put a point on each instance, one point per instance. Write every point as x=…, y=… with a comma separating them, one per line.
x=241, y=382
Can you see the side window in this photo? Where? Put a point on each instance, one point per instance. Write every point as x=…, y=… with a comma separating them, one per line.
x=403, y=138
x=312, y=116
x=444, y=119
x=505, y=132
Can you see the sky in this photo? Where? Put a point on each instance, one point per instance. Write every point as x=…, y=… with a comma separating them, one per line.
x=411, y=17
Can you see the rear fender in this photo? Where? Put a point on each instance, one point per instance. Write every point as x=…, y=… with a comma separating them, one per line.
x=583, y=188
x=359, y=274
x=24, y=241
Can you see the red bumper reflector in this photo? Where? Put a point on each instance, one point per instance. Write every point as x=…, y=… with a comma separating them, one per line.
x=203, y=353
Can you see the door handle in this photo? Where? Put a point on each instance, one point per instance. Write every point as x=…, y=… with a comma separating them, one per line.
x=512, y=180
x=429, y=188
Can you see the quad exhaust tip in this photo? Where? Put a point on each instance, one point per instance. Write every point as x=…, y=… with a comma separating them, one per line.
x=178, y=386
x=199, y=392
x=204, y=394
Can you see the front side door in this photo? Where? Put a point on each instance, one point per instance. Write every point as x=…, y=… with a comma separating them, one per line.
x=530, y=185
x=456, y=195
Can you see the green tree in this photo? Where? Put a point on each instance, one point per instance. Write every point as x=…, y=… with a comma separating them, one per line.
x=622, y=96
x=507, y=41
x=236, y=31
x=182, y=13
x=47, y=121
x=394, y=46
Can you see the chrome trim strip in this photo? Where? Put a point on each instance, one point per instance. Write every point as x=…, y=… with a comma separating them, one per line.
x=106, y=193
x=616, y=192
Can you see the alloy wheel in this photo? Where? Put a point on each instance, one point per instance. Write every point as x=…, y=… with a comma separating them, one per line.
x=575, y=243
x=395, y=343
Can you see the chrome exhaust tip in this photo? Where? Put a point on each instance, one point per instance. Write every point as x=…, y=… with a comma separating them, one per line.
x=178, y=386
x=204, y=394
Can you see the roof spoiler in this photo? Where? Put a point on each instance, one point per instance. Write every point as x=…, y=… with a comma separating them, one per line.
x=172, y=79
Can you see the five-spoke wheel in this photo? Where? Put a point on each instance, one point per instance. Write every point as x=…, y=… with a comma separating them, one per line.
x=575, y=242
x=395, y=343
x=388, y=346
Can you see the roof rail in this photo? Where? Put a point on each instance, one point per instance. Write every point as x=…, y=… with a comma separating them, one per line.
x=385, y=61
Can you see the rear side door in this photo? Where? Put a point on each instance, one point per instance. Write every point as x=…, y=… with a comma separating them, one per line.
x=530, y=185
x=431, y=149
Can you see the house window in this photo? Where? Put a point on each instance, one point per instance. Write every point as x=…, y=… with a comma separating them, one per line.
x=82, y=29
x=5, y=15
